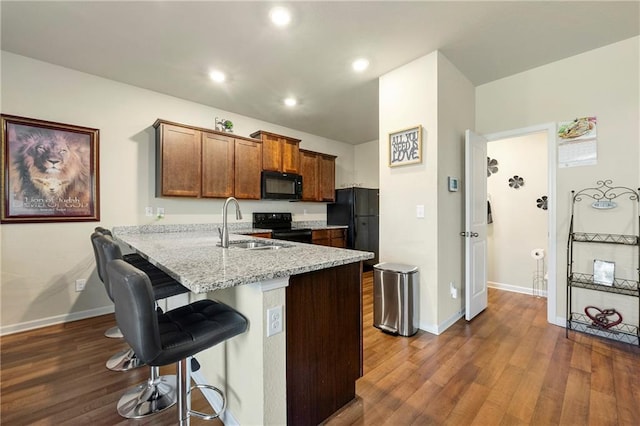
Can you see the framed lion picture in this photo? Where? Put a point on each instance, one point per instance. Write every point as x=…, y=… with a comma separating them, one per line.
x=49, y=171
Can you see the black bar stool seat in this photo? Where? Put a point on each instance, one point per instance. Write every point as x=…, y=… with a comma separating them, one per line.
x=171, y=337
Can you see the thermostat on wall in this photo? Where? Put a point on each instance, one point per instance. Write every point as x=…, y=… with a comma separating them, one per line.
x=453, y=184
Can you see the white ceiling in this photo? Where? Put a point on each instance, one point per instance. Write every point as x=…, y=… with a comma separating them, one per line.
x=170, y=47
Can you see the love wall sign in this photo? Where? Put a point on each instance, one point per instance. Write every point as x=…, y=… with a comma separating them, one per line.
x=405, y=146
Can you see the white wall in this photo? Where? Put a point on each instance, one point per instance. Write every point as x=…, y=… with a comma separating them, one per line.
x=603, y=82
x=34, y=296
x=456, y=100
x=430, y=92
x=519, y=226
x=366, y=159
x=408, y=97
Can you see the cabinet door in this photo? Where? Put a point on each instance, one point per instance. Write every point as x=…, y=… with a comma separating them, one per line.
x=248, y=165
x=309, y=172
x=271, y=153
x=178, y=154
x=290, y=156
x=327, y=181
x=321, y=237
x=338, y=238
x=217, y=165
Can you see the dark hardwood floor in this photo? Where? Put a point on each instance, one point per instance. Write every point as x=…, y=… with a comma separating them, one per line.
x=57, y=376
x=506, y=367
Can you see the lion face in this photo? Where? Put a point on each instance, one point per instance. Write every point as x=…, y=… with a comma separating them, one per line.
x=49, y=164
x=49, y=155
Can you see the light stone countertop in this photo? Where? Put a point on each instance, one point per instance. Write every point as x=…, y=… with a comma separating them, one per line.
x=191, y=255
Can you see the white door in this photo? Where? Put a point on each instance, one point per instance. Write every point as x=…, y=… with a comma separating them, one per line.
x=475, y=232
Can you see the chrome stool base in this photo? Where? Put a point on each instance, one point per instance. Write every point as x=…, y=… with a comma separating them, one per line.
x=114, y=333
x=124, y=360
x=155, y=395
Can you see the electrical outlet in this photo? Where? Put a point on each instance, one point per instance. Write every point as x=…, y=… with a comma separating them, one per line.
x=160, y=212
x=80, y=284
x=420, y=211
x=453, y=290
x=274, y=320
x=148, y=211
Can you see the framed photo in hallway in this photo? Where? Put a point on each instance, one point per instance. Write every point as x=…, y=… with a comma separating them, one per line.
x=405, y=146
x=49, y=171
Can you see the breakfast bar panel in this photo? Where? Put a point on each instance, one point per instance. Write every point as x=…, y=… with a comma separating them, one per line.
x=324, y=342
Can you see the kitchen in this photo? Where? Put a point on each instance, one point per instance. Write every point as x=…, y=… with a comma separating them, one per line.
x=125, y=115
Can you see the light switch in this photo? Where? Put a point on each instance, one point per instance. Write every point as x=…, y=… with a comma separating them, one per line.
x=420, y=211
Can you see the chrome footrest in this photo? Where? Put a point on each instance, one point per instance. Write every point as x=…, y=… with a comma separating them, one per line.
x=205, y=416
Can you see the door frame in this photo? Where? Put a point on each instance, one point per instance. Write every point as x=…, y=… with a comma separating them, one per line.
x=550, y=129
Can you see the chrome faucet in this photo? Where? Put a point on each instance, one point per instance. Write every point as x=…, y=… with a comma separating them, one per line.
x=224, y=232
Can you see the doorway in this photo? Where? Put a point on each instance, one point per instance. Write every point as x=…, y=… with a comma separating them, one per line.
x=517, y=201
x=548, y=129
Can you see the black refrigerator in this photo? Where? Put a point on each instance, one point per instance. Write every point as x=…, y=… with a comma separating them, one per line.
x=357, y=208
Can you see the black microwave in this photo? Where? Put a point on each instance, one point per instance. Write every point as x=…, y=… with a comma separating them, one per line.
x=281, y=186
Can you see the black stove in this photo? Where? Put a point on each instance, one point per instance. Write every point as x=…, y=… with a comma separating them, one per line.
x=280, y=226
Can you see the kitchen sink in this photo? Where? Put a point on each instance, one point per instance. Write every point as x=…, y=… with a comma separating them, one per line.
x=256, y=245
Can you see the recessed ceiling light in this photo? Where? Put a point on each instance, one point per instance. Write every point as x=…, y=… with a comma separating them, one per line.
x=360, y=65
x=217, y=76
x=280, y=16
x=290, y=102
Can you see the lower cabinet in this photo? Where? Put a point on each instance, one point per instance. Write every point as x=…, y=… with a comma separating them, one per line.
x=261, y=235
x=330, y=237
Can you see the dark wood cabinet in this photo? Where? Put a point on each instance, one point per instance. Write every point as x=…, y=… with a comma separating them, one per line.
x=318, y=176
x=218, y=162
x=248, y=161
x=178, y=165
x=330, y=237
x=324, y=342
x=261, y=234
x=279, y=153
x=310, y=173
x=327, y=177
x=196, y=162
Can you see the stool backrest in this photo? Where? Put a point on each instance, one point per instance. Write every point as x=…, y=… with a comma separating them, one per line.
x=105, y=250
x=135, y=309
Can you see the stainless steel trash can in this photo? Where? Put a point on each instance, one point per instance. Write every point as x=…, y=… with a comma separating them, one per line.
x=395, y=298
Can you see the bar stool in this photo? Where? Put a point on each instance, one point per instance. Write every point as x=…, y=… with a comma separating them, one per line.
x=125, y=359
x=158, y=392
x=171, y=337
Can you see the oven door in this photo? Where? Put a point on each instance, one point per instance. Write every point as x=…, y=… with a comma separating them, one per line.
x=296, y=235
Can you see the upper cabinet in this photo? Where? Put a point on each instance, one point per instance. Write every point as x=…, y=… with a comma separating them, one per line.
x=218, y=162
x=248, y=159
x=178, y=164
x=196, y=162
x=318, y=176
x=203, y=163
x=279, y=153
x=327, y=177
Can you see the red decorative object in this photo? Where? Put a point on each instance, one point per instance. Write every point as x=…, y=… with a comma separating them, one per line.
x=600, y=317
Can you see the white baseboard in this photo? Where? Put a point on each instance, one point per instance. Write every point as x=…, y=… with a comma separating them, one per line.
x=442, y=327
x=514, y=288
x=58, y=319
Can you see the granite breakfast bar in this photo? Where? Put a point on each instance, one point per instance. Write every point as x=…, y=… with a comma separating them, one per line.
x=300, y=376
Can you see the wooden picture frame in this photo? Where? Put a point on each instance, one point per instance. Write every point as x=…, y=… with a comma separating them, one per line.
x=405, y=146
x=50, y=171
